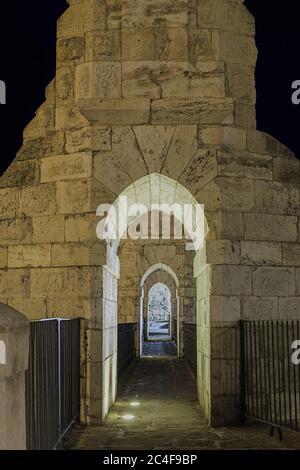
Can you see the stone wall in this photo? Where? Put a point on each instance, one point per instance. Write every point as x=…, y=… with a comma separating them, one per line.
x=152, y=87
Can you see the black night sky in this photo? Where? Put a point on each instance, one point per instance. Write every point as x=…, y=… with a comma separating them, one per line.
x=27, y=63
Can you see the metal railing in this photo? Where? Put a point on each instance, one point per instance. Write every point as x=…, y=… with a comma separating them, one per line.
x=190, y=345
x=126, y=344
x=270, y=379
x=52, y=381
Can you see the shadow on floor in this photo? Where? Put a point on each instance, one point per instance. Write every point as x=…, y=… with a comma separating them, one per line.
x=157, y=408
x=159, y=348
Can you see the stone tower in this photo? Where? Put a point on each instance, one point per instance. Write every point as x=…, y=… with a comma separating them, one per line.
x=163, y=88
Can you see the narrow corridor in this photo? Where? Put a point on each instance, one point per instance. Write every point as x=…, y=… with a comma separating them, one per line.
x=157, y=408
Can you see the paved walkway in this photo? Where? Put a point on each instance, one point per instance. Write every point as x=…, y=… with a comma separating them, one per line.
x=159, y=348
x=157, y=408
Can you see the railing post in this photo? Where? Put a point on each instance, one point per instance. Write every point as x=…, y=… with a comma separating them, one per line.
x=14, y=351
x=243, y=377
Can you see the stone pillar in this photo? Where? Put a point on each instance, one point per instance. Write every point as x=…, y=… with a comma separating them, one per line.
x=14, y=350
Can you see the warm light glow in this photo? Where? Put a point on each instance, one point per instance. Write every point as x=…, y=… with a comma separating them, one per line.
x=135, y=403
x=128, y=417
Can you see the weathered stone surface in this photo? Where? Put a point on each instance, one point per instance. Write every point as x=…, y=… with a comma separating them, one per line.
x=126, y=150
x=95, y=137
x=241, y=84
x=149, y=44
x=298, y=281
x=25, y=256
x=65, y=85
x=20, y=174
x=291, y=254
x=46, y=146
x=98, y=80
x=245, y=165
x=269, y=281
x=81, y=228
x=277, y=198
x=261, y=253
x=236, y=49
x=49, y=229
x=260, y=308
x=77, y=254
x=225, y=309
x=70, y=49
x=225, y=15
x=202, y=169
x=9, y=203
x=289, y=308
x=270, y=227
x=173, y=80
x=110, y=172
x=223, y=252
x=224, y=224
x=154, y=142
x=192, y=111
x=228, y=193
x=103, y=45
x=154, y=13
x=260, y=142
x=231, y=280
x=3, y=257
x=73, y=197
x=81, y=18
x=15, y=231
x=116, y=112
x=287, y=170
x=66, y=167
x=182, y=149
x=14, y=283
x=38, y=200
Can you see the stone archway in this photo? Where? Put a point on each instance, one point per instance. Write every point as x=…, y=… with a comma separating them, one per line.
x=150, y=191
x=139, y=92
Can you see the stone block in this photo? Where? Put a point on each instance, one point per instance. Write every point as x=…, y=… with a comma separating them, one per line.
x=20, y=173
x=225, y=15
x=260, y=142
x=108, y=170
x=202, y=169
x=3, y=257
x=272, y=281
x=231, y=280
x=224, y=224
x=49, y=229
x=81, y=18
x=277, y=198
x=116, y=112
x=235, y=48
x=244, y=165
x=73, y=196
x=154, y=143
x=182, y=149
x=103, y=45
x=224, y=309
x=88, y=138
x=98, y=80
x=172, y=80
x=49, y=145
x=77, y=254
x=74, y=166
x=64, y=85
x=291, y=254
x=270, y=227
x=38, y=200
x=9, y=203
x=14, y=283
x=228, y=193
x=154, y=14
x=192, y=111
x=260, y=308
x=26, y=256
x=289, y=308
x=261, y=253
x=81, y=228
x=15, y=231
x=287, y=170
x=241, y=84
x=223, y=252
x=70, y=50
x=127, y=152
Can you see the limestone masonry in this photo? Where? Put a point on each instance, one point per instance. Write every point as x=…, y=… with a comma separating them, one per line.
x=165, y=88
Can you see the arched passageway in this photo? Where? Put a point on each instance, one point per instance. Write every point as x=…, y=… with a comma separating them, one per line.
x=136, y=263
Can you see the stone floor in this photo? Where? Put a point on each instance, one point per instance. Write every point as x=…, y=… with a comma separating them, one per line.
x=159, y=348
x=157, y=408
